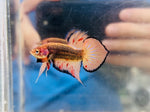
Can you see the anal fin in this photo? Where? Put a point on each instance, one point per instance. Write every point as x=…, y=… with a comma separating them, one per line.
x=71, y=66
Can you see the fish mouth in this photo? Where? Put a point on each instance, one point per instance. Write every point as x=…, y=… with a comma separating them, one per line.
x=32, y=52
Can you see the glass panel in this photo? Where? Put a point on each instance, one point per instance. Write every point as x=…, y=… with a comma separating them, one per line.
x=6, y=96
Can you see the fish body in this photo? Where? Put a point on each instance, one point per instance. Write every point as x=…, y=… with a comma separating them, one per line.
x=67, y=54
x=58, y=50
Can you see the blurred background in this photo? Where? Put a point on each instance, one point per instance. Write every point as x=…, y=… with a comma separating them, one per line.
x=110, y=88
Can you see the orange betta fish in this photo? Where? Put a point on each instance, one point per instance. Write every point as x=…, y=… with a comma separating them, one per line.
x=67, y=54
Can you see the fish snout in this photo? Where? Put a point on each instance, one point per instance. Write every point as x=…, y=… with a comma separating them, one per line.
x=32, y=52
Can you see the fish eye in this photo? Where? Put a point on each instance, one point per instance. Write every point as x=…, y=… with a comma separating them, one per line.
x=37, y=51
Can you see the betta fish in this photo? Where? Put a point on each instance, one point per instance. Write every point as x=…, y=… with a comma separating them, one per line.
x=67, y=54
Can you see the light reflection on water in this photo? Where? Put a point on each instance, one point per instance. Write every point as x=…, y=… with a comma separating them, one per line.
x=111, y=88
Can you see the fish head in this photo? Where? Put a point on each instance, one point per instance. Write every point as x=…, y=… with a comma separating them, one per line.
x=40, y=52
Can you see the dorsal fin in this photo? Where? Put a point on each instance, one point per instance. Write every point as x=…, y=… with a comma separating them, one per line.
x=69, y=34
x=76, y=38
x=53, y=40
x=72, y=67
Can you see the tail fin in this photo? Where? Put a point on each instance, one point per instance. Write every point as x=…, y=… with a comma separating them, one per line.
x=94, y=54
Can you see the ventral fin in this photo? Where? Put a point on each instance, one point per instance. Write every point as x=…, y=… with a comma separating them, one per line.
x=48, y=67
x=42, y=68
x=72, y=67
x=76, y=38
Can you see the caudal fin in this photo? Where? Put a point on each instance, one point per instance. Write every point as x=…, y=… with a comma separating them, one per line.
x=94, y=54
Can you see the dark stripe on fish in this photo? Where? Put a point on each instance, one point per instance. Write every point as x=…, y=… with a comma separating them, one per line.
x=67, y=55
x=53, y=47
